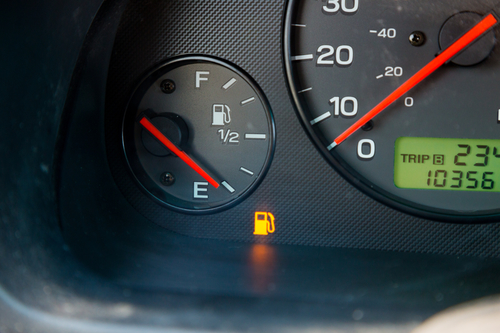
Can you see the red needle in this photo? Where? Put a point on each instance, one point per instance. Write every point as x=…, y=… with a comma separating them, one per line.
x=173, y=148
x=484, y=25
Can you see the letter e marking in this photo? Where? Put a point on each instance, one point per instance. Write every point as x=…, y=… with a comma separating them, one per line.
x=198, y=189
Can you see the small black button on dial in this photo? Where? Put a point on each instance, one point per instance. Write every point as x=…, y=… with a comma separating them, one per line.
x=401, y=97
x=456, y=26
x=170, y=125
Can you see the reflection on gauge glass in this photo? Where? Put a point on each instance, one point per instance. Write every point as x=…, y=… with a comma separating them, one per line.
x=402, y=99
x=198, y=135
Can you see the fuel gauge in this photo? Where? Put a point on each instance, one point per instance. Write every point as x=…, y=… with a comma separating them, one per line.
x=198, y=135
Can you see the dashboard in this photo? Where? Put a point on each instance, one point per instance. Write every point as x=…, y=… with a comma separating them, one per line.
x=253, y=224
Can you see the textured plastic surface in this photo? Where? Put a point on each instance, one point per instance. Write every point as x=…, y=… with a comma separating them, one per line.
x=153, y=280
x=312, y=204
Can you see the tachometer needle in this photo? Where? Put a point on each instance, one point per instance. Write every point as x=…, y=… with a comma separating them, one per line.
x=470, y=36
x=173, y=148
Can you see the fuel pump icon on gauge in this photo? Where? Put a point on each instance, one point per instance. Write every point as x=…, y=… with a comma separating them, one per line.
x=172, y=148
x=221, y=115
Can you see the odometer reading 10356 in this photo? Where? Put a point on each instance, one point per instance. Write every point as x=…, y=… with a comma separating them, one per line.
x=418, y=76
x=447, y=164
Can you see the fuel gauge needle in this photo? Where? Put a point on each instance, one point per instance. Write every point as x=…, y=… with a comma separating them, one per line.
x=174, y=149
x=470, y=36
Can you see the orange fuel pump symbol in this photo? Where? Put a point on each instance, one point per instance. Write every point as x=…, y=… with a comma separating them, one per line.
x=264, y=223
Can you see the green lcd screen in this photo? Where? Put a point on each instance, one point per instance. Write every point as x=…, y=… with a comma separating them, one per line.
x=447, y=164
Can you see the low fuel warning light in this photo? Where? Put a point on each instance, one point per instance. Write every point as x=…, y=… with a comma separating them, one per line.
x=263, y=223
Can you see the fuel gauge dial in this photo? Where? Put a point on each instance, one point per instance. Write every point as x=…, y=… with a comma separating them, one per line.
x=198, y=135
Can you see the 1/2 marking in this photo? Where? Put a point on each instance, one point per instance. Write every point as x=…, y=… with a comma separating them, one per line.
x=229, y=136
x=298, y=25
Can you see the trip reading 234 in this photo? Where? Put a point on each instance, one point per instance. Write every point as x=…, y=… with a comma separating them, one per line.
x=447, y=164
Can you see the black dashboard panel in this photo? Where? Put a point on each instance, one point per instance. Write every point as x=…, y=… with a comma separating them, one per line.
x=312, y=204
x=77, y=255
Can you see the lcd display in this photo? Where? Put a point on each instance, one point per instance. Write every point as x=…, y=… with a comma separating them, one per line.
x=447, y=164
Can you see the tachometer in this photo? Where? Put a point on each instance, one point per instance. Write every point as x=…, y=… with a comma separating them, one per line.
x=402, y=98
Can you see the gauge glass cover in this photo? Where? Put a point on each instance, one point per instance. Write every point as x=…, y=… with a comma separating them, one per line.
x=216, y=117
x=343, y=57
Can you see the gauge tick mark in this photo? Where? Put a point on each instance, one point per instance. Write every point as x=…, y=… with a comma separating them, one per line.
x=245, y=170
x=302, y=91
x=255, y=136
x=229, y=84
x=246, y=101
x=302, y=57
x=321, y=118
x=228, y=187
